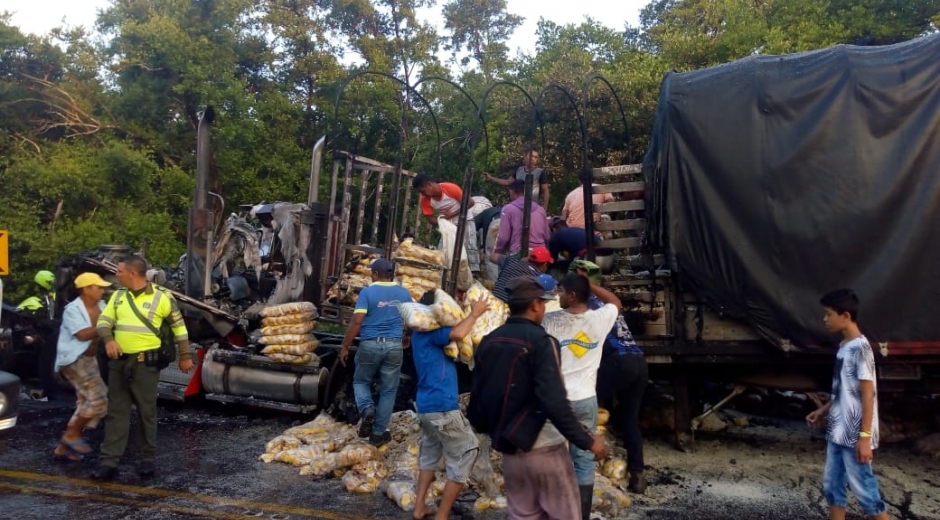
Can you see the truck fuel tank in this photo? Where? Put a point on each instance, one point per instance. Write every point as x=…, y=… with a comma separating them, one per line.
x=235, y=376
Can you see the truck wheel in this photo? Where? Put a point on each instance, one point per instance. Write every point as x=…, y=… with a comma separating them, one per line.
x=340, y=378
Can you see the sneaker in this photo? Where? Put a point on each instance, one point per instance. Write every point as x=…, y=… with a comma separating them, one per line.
x=378, y=440
x=365, y=425
x=145, y=469
x=104, y=473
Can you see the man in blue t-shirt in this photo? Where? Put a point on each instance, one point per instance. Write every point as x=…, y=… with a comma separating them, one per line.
x=444, y=430
x=378, y=324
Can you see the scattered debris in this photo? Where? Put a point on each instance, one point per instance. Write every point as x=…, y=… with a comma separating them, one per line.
x=324, y=448
x=929, y=445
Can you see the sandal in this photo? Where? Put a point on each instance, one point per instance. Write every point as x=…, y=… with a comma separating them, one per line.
x=68, y=456
x=79, y=447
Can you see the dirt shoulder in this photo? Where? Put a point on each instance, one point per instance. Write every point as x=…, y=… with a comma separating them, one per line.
x=772, y=469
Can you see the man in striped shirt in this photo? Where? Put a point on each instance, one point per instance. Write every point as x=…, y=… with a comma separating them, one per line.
x=511, y=268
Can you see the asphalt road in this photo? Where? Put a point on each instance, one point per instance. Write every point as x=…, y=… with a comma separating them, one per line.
x=207, y=467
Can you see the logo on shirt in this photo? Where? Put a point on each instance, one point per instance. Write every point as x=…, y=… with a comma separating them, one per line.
x=580, y=344
x=146, y=305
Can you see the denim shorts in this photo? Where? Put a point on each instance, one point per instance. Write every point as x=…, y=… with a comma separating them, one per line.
x=842, y=472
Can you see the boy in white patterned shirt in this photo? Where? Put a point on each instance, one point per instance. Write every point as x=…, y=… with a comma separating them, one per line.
x=852, y=429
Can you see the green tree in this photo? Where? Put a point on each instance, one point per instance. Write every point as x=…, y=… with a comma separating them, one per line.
x=480, y=28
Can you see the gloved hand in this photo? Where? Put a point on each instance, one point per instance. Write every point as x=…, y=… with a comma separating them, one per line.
x=593, y=270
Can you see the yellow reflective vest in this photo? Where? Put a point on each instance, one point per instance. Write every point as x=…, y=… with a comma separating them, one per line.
x=134, y=336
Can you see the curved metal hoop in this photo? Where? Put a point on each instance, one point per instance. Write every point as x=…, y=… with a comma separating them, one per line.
x=468, y=176
x=349, y=79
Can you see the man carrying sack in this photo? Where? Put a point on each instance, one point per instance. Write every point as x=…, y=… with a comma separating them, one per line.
x=130, y=326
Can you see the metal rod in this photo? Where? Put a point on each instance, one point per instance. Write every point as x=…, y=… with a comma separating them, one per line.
x=526, y=215
x=410, y=90
x=587, y=173
x=451, y=285
x=316, y=162
x=200, y=219
x=738, y=390
x=207, y=288
x=344, y=224
x=461, y=229
x=585, y=166
x=203, y=157
x=221, y=211
x=327, y=265
x=407, y=210
x=393, y=209
x=379, y=187
x=361, y=216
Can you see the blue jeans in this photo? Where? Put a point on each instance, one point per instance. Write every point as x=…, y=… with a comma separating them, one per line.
x=843, y=471
x=378, y=358
x=586, y=411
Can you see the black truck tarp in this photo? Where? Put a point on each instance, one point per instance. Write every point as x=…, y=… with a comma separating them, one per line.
x=774, y=179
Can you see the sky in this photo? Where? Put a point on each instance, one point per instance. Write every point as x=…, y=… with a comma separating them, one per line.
x=39, y=16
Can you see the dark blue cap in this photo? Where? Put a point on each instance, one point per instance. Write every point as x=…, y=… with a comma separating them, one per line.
x=382, y=266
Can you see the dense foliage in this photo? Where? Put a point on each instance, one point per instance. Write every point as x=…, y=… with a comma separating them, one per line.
x=98, y=125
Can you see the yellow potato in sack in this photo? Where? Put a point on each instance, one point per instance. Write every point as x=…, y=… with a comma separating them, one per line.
x=466, y=350
x=452, y=350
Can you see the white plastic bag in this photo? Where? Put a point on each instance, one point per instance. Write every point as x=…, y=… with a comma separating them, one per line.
x=449, y=239
x=416, y=316
x=446, y=310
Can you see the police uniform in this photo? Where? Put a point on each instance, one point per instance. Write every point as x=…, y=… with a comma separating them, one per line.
x=130, y=380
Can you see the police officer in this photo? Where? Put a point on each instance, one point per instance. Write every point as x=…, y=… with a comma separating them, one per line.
x=133, y=375
x=42, y=310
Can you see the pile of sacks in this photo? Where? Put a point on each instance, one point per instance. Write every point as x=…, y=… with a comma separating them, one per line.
x=287, y=332
x=415, y=278
x=357, y=275
x=446, y=312
x=324, y=448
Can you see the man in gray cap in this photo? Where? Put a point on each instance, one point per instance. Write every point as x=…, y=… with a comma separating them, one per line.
x=518, y=398
x=378, y=324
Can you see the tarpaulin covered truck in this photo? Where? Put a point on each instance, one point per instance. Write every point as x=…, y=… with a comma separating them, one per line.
x=774, y=179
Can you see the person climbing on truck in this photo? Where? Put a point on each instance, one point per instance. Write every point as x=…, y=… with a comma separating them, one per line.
x=530, y=165
x=852, y=426
x=442, y=199
x=511, y=268
x=511, y=219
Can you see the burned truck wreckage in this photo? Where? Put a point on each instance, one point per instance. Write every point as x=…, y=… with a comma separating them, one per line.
x=263, y=256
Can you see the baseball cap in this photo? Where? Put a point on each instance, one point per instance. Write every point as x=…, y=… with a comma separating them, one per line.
x=548, y=283
x=382, y=266
x=527, y=288
x=86, y=279
x=540, y=255
x=593, y=270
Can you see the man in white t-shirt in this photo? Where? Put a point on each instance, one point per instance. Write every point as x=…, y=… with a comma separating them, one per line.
x=580, y=333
